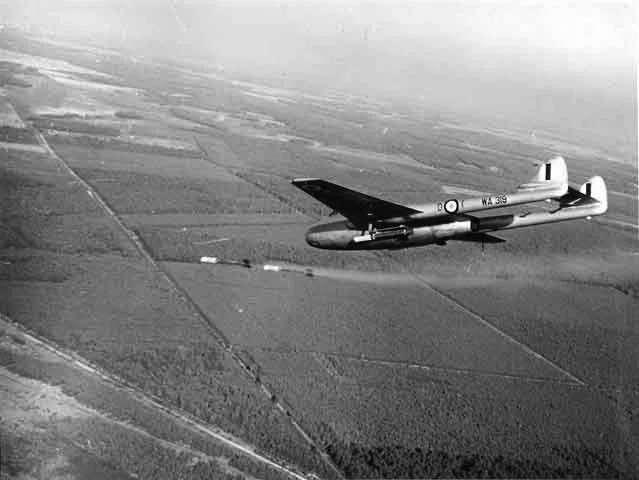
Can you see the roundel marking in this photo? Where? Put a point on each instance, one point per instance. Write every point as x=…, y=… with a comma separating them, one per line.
x=451, y=206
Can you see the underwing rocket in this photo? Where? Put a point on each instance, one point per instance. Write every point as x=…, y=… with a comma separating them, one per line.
x=371, y=223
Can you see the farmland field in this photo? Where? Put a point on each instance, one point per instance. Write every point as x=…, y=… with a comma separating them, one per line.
x=465, y=360
x=410, y=326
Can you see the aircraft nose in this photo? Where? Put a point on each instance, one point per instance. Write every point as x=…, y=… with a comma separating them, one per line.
x=312, y=238
x=330, y=236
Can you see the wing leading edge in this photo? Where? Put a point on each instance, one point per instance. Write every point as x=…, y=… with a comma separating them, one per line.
x=357, y=207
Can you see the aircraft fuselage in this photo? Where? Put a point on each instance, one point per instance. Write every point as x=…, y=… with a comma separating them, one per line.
x=413, y=232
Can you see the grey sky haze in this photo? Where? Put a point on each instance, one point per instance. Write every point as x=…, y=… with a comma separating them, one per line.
x=572, y=59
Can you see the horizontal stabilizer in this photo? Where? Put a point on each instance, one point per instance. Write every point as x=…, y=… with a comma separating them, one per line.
x=592, y=192
x=574, y=198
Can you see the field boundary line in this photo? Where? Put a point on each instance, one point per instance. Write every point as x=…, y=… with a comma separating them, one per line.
x=287, y=412
x=229, y=347
x=187, y=301
x=111, y=419
x=501, y=333
x=80, y=362
x=236, y=172
x=486, y=323
x=414, y=365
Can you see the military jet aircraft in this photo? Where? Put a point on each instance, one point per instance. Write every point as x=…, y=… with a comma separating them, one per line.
x=372, y=223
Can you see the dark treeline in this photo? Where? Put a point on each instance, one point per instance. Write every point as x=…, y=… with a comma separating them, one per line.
x=397, y=461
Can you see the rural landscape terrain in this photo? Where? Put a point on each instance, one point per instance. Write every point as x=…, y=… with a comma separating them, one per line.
x=123, y=356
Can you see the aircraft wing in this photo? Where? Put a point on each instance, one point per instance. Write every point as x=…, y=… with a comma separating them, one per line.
x=357, y=207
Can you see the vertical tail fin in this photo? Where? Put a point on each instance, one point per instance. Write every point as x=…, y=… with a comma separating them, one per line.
x=595, y=188
x=552, y=174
